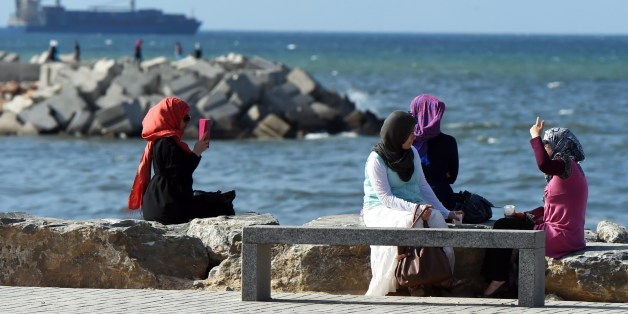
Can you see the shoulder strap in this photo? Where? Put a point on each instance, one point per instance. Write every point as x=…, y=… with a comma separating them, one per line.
x=417, y=218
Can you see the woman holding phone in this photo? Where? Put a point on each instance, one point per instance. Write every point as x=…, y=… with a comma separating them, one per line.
x=168, y=196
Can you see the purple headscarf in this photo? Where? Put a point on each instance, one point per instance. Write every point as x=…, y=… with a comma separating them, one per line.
x=428, y=110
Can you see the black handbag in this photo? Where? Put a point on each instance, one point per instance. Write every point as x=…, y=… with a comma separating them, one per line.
x=422, y=266
x=476, y=208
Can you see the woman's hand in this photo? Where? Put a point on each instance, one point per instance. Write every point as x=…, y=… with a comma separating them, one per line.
x=520, y=216
x=428, y=211
x=200, y=146
x=537, y=129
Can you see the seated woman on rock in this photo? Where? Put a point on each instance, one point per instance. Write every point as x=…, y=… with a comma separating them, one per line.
x=394, y=186
x=558, y=156
x=168, y=197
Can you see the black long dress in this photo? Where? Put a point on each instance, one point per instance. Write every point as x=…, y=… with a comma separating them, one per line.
x=169, y=198
x=442, y=152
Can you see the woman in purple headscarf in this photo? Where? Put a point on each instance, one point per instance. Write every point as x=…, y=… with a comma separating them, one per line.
x=438, y=151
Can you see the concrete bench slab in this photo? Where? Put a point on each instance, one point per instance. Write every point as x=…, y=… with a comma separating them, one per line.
x=257, y=241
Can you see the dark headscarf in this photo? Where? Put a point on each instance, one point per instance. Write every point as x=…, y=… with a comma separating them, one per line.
x=395, y=131
x=565, y=146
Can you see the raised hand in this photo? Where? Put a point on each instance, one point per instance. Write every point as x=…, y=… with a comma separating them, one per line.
x=537, y=129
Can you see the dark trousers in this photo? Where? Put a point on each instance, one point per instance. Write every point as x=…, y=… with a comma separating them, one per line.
x=496, y=264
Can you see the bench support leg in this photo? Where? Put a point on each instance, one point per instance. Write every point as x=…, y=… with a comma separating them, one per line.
x=255, y=272
x=532, y=277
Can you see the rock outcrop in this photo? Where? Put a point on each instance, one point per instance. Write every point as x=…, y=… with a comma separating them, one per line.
x=246, y=97
x=205, y=254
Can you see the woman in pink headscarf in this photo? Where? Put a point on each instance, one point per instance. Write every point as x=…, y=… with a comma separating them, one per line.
x=438, y=151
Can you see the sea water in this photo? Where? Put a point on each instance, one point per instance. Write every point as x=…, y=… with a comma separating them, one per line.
x=494, y=86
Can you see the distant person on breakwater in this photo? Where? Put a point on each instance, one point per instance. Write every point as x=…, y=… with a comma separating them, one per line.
x=178, y=51
x=168, y=197
x=558, y=156
x=394, y=186
x=198, y=52
x=137, y=49
x=77, y=52
x=53, y=53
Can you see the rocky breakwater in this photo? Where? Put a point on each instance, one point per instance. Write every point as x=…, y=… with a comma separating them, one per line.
x=205, y=254
x=246, y=97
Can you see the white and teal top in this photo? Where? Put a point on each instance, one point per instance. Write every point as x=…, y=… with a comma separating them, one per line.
x=382, y=186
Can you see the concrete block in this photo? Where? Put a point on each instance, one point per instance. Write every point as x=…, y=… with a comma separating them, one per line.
x=325, y=112
x=80, y=123
x=11, y=57
x=271, y=127
x=125, y=118
x=224, y=113
x=271, y=78
x=9, y=124
x=305, y=120
x=254, y=113
x=302, y=80
x=153, y=63
x=17, y=71
x=260, y=63
x=18, y=104
x=113, y=98
x=45, y=92
x=241, y=85
x=302, y=100
x=39, y=115
x=181, y=85
x=137, y=83
x=193, y=96
x=211, y=101
x=65, y=105
x=148, y=101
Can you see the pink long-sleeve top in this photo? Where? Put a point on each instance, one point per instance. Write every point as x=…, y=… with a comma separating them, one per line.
x=565, y=205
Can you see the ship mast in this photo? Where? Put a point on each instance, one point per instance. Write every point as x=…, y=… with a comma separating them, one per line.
x=132, y=5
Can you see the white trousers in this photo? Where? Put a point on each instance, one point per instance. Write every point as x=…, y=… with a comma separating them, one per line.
x=383, y=258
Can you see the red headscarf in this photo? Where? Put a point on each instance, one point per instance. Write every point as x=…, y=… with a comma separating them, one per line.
x=162, y=120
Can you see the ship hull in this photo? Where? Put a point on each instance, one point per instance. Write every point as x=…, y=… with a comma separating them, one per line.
x=56, y=19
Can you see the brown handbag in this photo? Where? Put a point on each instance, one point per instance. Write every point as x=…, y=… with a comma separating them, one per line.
x=422, y=266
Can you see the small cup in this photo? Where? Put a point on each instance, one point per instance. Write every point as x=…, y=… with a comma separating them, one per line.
x=509, y=210
x=458, y=220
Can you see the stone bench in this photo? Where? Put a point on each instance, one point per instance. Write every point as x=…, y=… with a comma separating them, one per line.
x=257, y=241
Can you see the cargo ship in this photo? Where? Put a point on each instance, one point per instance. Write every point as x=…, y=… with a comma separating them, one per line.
x=31, y=17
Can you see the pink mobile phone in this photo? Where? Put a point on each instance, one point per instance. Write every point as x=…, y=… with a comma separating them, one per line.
x=204, y=127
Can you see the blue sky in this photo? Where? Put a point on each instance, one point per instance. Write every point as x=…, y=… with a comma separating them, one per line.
x=414, y=16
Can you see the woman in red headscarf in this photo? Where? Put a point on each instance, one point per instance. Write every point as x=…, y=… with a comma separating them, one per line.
x=168, y=197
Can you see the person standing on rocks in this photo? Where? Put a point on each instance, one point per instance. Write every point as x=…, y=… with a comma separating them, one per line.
x=52, y=55
x=558, y=156
x=394, y=186
x=77, y=52
x=178, y=51
x=168, y=196
x=137, y=51
x=198, y=52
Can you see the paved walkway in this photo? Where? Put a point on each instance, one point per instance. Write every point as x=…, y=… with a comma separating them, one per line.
x=69, y=300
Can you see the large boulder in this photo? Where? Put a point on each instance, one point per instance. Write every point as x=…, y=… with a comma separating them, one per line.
x=108, y=253
x=611, y=232
x=597, y=274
